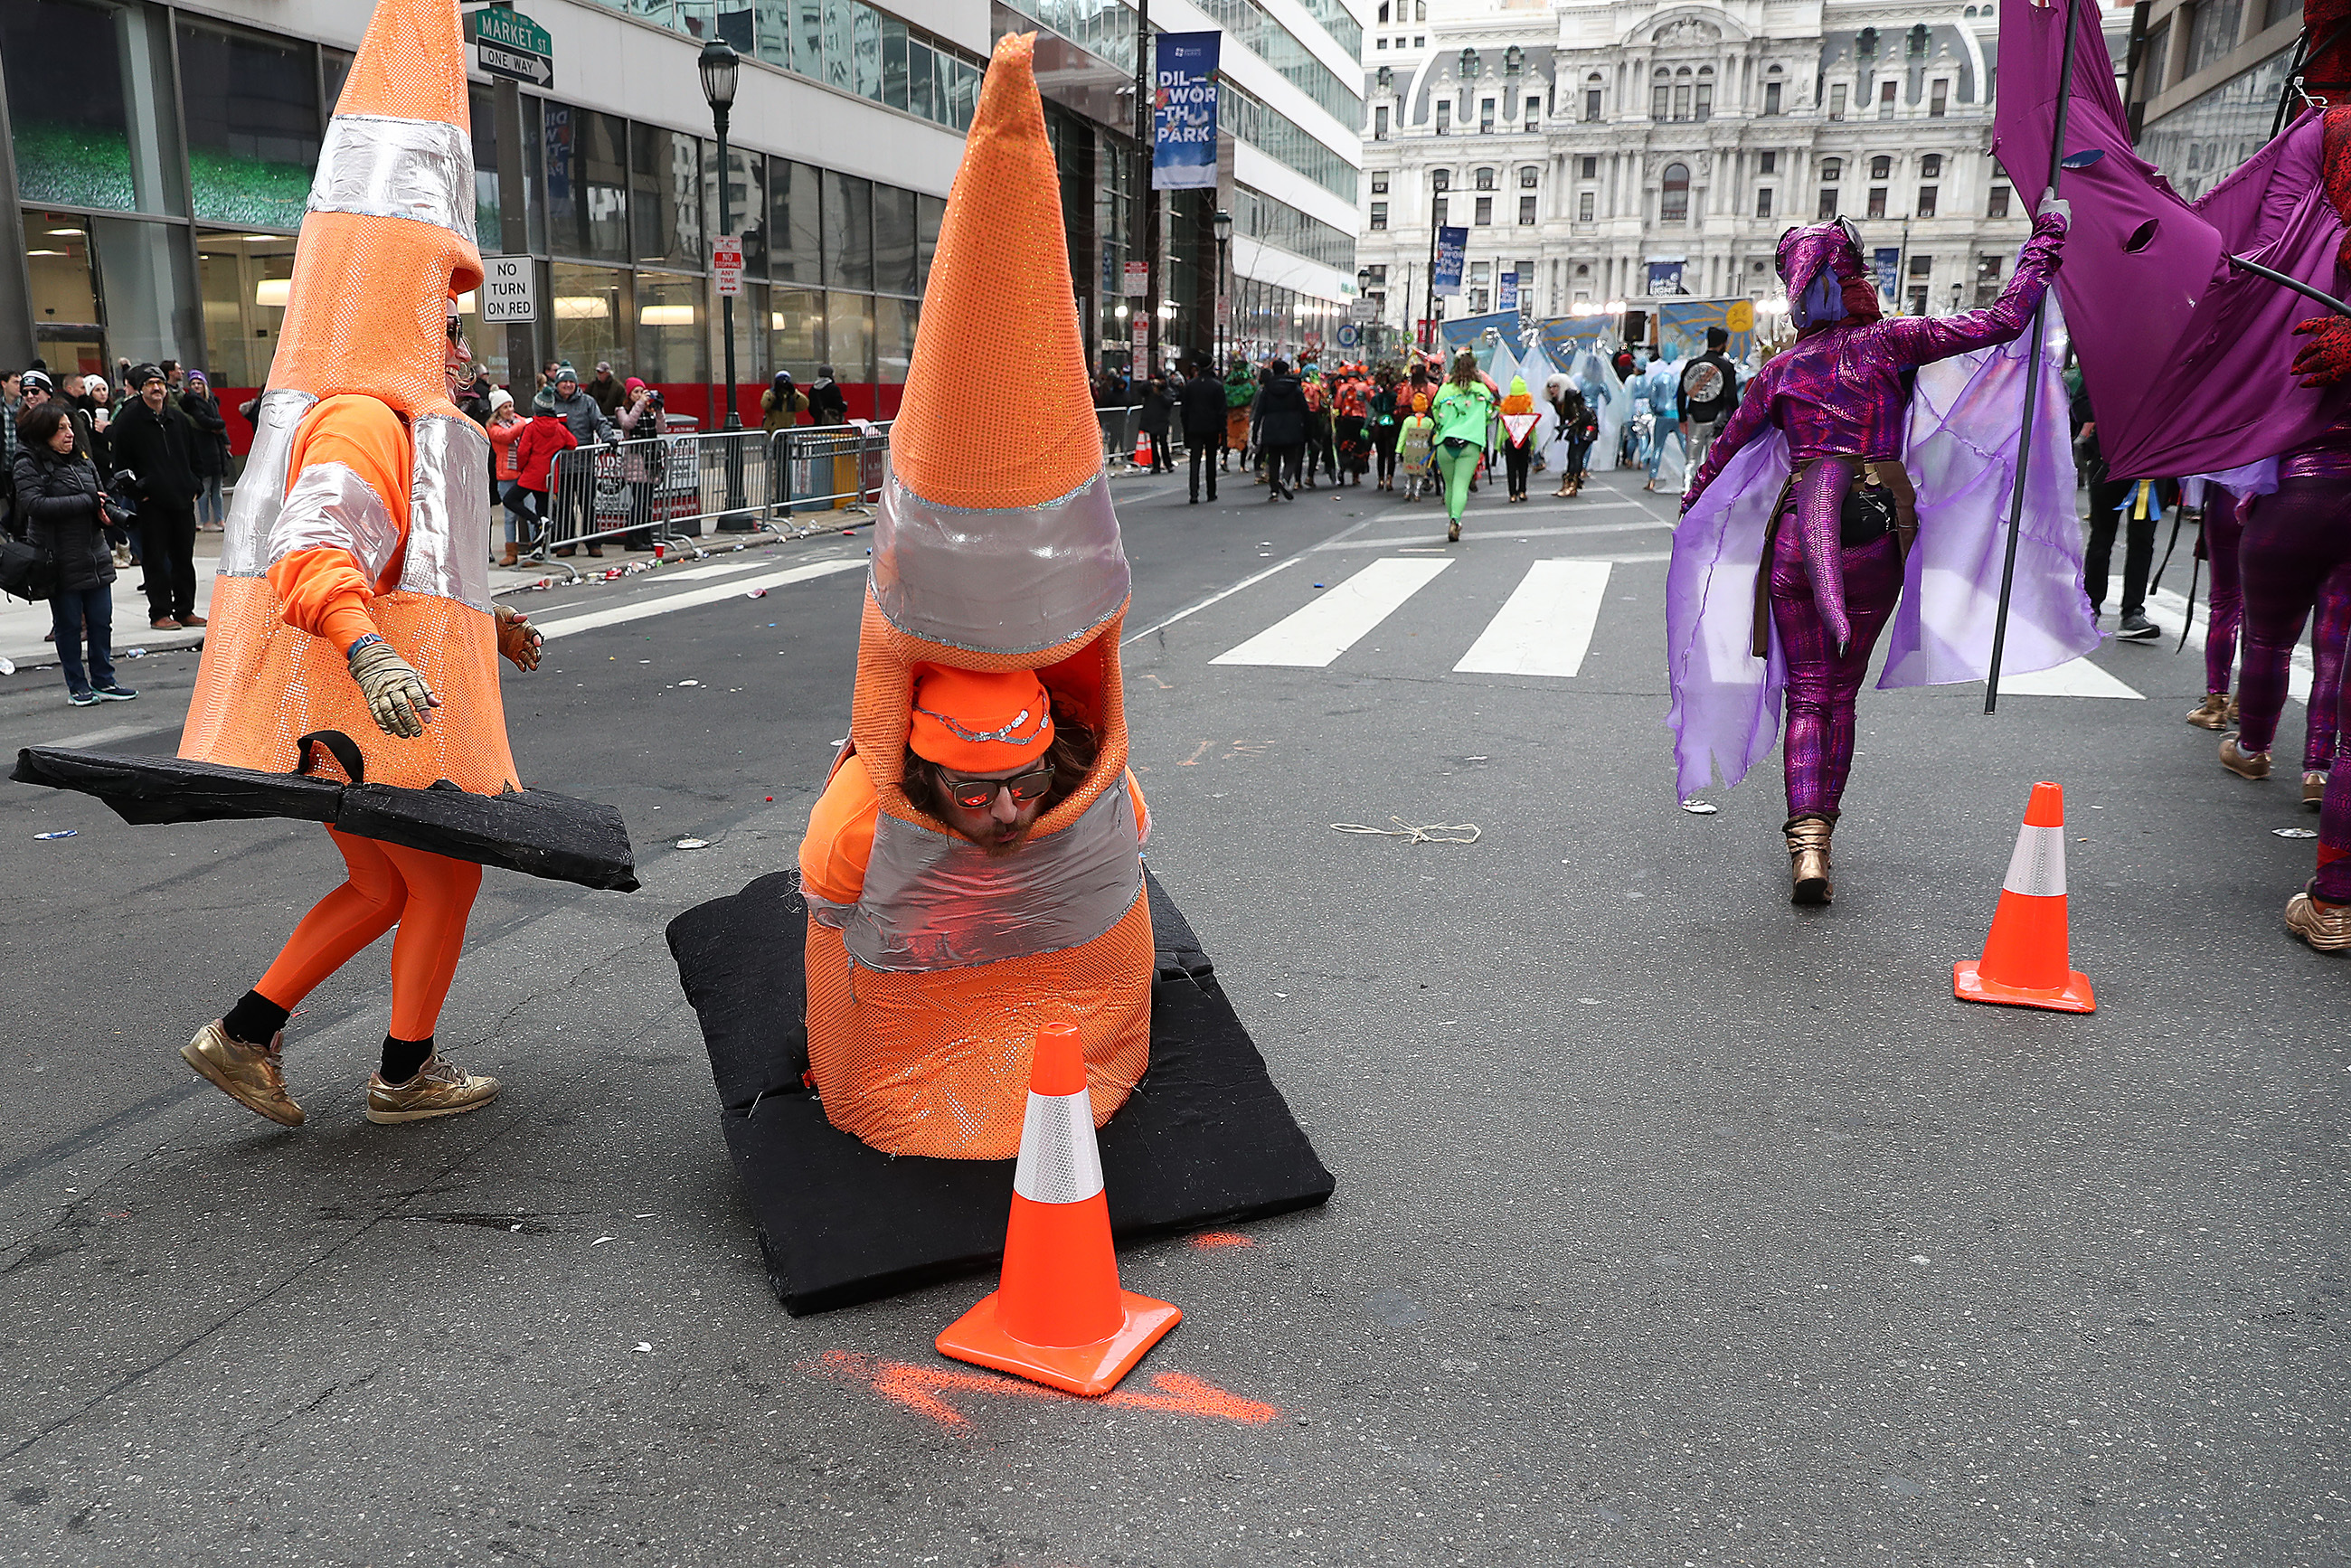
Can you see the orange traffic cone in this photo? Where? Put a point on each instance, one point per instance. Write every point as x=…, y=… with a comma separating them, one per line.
x=1143, y=448
x=2025, y=962
x=1059, y=1316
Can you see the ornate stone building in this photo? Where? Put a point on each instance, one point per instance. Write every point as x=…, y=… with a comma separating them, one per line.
x=1627, y=150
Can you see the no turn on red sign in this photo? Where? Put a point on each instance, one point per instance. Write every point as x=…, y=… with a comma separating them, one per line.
x=726, y=264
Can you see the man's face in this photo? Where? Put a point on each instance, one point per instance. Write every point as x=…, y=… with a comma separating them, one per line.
x=152, y=392
x=36, y=397
x=1002, y=825
x=9, y=385
x=566, y=387
x=72, y=386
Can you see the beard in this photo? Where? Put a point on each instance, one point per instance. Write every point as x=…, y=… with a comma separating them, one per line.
x=1003, y=841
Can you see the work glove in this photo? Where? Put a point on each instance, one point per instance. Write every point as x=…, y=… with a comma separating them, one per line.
x=2325, y=360
x=2053, y=204
x=518, y=640
x=397, y=697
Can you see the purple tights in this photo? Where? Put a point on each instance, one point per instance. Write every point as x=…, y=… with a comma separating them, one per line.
x=1821, y=686
x=2294, y=544
x=2334, y=881
x=2224, y=526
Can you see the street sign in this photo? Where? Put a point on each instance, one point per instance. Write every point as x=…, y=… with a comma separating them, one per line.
x=1138, y=279
x=1363, y=309
x=1348, y=336
x=509, y=44
x=509, y=290
x=726, y=264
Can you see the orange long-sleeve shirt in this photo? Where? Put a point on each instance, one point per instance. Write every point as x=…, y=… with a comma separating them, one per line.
x=324, y=590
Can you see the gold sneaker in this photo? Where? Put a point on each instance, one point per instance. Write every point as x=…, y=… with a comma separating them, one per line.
x=2326, y=927
x=441, y=1088
x=2314, y=791
x=249, y=1074
x=2252, y=765
x=2212, y=713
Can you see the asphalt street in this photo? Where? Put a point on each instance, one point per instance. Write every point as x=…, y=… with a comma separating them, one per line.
x=1674, y=1226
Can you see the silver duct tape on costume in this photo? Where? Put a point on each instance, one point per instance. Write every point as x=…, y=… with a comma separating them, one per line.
x=1008, y=580
x=449, y=511
x=261, y=492
x=382, y=167
x=935, y=901
x=330, y=506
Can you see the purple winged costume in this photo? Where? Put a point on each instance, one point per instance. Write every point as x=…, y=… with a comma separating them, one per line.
x=1833, y=400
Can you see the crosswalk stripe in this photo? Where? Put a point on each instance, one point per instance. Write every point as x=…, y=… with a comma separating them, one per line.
x=1313, y=636
x=1545, y=626
x=641, y=608
x=2168, y=608
x=2074, y=678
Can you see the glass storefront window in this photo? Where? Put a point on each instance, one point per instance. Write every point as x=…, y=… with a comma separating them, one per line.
x=747, y=204
x=835, y=43
x=847, y=232
x=253, y=121
x=669, y=328
x=487, y=225
x=893, y=240
x=930, y=211
x=794, y=208
x=750, y=345
x=587, y=182
x=920, y=71
x=894, y=62
x=849, y=336
x=243, y=281
x=665, y=179
x=893, y=349
x=148, y=287
x=89, y=87
x=795, y=333
x=595, y=312
x=866, y=39
x=65, y=292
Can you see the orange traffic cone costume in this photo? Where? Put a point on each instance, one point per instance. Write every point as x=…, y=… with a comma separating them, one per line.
x=931, y=963
x=1059, y=1315
x=2025, y=962
x=363, y=519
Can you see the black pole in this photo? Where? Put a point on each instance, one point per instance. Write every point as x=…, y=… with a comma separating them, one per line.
x=1428, y=313
x=734, y=521
x=2033, y=378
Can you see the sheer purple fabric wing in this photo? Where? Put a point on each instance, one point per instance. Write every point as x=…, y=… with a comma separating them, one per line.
x=1962, y=451
x=1726, y=707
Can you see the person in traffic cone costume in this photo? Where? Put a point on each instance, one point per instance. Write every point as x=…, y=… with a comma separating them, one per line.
x=354, y=593
x=973, y=869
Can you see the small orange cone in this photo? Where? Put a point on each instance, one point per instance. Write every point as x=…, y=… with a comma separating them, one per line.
x=1059, y=1316
x=1143, y=448
x=2025, y=962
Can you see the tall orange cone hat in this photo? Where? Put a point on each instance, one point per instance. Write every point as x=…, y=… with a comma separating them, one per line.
x=389, y=237
x=995, y=548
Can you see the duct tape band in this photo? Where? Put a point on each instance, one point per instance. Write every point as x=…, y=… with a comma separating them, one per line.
x=2037, y=868
x=330, y=506
x=1058, y=1160
x=261, y=492
x=382, y=167
x=449, y=511
x=1008, y=580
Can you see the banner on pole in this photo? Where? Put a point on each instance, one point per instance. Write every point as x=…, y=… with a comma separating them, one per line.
x=1506, y=292
x=1888, y=262
x=1450, y=245
x=1183, y=113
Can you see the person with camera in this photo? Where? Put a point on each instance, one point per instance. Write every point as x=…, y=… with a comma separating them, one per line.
x=155, y=444
x=63, y=506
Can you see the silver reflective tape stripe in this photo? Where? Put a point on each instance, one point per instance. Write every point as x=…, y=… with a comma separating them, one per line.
x=449, y=511
x=386, y=168
x=261, y=492
x=1012, y=580
x=329, y=505
x=1059, y=1161
x=825, y=912
x=2037, y=868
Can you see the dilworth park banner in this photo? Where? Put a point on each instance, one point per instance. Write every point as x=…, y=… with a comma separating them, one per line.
x=1183, y=113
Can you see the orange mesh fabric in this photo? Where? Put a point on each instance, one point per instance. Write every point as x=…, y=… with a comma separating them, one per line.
x=411, y=65
x=367, y=310
x=999, y=310
x=263, y=684
x=938, y=1064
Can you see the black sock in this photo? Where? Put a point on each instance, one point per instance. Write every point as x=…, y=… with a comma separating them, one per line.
x=255, y=1019
x=401, y=1058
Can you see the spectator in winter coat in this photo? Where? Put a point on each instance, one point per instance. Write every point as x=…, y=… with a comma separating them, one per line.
x=826, y=404
x=535, y=451
x=1280, y=412
x=505, y=432
x=781, y=404
x=211, y=461
x=155, y=443
x=1202, y=402
x=580, y=413
x=1157, y=409
x=58, y=495
x=607, y=390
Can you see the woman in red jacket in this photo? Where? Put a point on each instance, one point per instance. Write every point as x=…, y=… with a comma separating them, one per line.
x=535, y=451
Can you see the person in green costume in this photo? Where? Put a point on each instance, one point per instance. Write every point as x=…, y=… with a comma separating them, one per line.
x=1464, y=406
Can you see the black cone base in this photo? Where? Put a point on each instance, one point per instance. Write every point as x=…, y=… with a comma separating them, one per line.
x=1206, y=1139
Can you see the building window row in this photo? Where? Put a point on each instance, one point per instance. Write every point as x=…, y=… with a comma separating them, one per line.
x=1249, y=118
x=1276, y=223
x=1249, y=25
x=854, y=49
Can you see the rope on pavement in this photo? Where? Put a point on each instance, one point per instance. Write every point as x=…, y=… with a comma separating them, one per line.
x=1433, y=834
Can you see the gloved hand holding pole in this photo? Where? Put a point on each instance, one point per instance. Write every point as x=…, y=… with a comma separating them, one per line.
x=397, y=697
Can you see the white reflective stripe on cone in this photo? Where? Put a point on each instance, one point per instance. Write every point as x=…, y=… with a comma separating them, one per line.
x=2037, y=868
x=1059, y=1161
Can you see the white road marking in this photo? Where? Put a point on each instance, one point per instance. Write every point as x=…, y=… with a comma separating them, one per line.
x=1545, y=626
x=1503, y=536
x=2167, y=610
x=717, y=568
x=2074, y=678
x=1311, y=637
x=662, y=604
x=112, y=732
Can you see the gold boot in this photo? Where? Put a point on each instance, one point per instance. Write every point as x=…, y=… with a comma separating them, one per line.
x=2326, y=927
x=1808, y=858
x=2212, y=713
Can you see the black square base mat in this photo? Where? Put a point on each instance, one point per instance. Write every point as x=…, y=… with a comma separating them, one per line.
x=1206, y=1139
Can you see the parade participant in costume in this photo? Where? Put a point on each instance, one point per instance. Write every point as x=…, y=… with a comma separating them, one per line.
x=1462, y=409
x=1240, y=390
x=2216, y=546
x=1417, y=445
x=1578, y=427
x=1387, y=404
x=1354, y=444
x=1834, y=526
x=973, y=869
x=353, y=593
x=1518, y=410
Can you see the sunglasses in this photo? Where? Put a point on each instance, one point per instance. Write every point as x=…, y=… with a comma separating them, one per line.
x=977, y=794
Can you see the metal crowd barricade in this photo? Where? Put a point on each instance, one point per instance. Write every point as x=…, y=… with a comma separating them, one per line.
x=676, y=489
x=1118, y=430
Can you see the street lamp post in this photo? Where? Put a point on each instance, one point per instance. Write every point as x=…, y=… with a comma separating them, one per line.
x=718, y=65
x=1224, y=226
x=1364, y=291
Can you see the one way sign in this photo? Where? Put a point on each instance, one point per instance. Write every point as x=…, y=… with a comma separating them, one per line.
x=498, y=61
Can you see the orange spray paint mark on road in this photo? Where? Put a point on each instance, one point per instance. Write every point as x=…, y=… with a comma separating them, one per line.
x=1194, y=760
x=922, y=1389
x=1209, y=1240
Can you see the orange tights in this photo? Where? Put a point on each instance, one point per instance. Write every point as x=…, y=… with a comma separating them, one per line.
x=428, y=896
